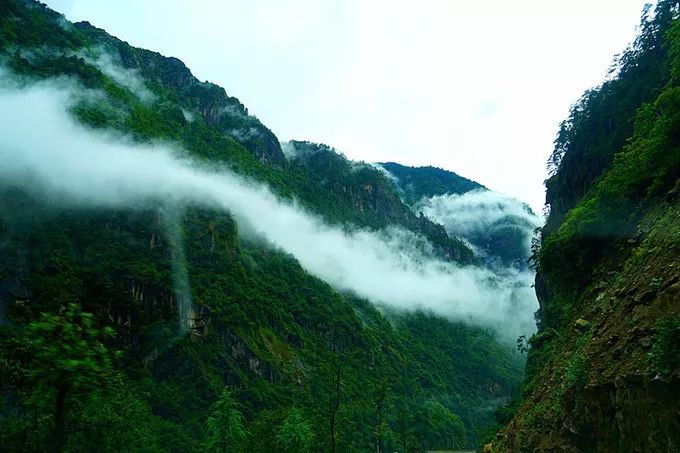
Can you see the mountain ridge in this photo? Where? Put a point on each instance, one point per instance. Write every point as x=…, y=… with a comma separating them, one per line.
x=427, y=181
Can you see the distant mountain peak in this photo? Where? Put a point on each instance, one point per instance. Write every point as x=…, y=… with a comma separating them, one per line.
x=428, y=181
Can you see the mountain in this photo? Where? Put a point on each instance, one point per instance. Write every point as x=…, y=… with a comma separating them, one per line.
x=497, y=227
x=138, y=314
x=362, y=194
x=416, y=183
x=603, y=370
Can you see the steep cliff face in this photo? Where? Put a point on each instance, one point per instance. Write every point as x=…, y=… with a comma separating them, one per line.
x=603, y=371
x=602, y=120
x=607, y=378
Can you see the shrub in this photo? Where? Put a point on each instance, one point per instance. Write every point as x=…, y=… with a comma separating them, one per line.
x=665, y=353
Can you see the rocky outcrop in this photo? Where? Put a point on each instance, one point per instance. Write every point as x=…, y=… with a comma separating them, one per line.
x=633, y=413
x=238, y=355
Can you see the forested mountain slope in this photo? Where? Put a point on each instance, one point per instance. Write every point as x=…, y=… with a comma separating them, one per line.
x=417, y=183
x=497, y=227
x=164, y=327
x=603, y=372
x=364, y=195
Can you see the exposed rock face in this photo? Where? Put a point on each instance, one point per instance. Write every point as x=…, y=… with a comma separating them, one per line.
x=581, y=324
x=259, y=323
x=238, y=355
x=633, y=413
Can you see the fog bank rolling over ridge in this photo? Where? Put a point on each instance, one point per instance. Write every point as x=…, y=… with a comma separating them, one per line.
x=45, y=152
x=498, y=227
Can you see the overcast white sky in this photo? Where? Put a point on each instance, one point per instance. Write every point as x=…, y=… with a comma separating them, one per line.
x=474, y=87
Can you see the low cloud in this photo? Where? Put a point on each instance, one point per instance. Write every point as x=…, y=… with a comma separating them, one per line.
x=496, y=225
x=289, y=150
x=476, y=210
x=188, y=116
x=386, y=173
x=44, y=151
x=245, y=134
x=109, y=66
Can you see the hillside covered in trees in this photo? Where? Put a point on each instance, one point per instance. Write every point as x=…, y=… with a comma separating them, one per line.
x=603, y=371
x=164, y=325
x=418, y=182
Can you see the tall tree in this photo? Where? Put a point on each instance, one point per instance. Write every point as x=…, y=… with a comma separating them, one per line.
x=68, y=354
x=380, y=396
x=295, y=435
x=225, y=425
x=336, y=395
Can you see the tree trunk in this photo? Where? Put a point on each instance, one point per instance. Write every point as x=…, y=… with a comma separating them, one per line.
x=334, y=408
x=58, y=436
x=378, y=434
x=402, y=430
x=382, y=393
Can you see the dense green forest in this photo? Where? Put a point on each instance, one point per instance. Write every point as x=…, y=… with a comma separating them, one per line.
x=96, y=352
x=418, y=182
x=602, y=371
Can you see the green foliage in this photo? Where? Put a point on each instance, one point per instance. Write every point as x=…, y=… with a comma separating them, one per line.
x=225, y=425
x=504, y=414
x=115, y=418
x=672, y=45
x=358, y=193
x=295, y=433
x=66, y=358
x=437, y=427
x=600, y=123
x=68, y=349
x=35, y=25
x=646, y=167
x=576, y=373
x=258, y=301
x=574, y=379
x=420, y=182
x=665, y=354
x=501, y=241
x=640, y=171
x=535, y=415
